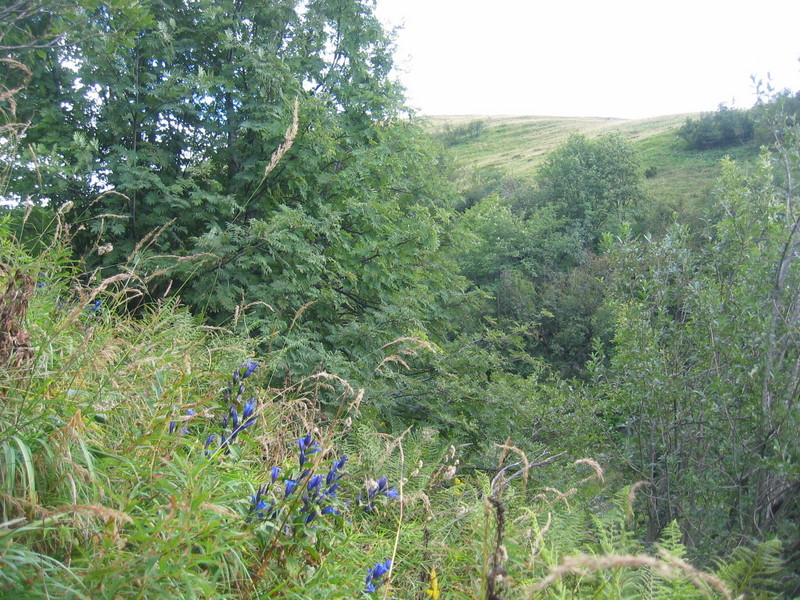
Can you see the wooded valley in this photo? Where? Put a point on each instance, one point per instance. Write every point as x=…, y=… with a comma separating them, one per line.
x=267, y=333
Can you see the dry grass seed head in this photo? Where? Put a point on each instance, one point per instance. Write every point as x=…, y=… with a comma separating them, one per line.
x=561, y=496
x=399, y=354
x=300, y=312
x=500, y=480
x=670, y=567
x=7, y=94
x=598, y=470
x=239, y=310
x=288, y=140
x=632, y=497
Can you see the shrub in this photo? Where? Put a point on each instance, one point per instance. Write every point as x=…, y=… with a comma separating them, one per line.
x=462, y=133
x=721, y=129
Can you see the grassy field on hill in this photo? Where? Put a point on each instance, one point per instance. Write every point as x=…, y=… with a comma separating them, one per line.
x=517, y=145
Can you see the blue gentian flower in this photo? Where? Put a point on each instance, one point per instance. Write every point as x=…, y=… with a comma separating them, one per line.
x=381, y=568
x=334, y=474
x=249, y=367
x=208, y=443
x=94, y=306
x=314, y=482
x=290, y=485
x=374, y=576
x=307, y=446
x=375, y=489
x=258, y=505
x=249, y=408
x=274, y=473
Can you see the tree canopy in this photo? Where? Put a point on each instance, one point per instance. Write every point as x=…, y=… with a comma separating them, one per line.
x=592, y=183
x=255, y=158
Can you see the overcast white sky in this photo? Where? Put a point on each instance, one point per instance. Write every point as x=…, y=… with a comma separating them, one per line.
x=603, y=58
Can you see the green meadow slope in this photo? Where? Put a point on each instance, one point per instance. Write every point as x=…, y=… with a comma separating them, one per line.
x=516, y=145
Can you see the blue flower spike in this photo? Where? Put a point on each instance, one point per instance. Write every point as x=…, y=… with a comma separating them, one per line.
x=189, y=413
x=247, y=418
x=375, y=576
x=274, y=473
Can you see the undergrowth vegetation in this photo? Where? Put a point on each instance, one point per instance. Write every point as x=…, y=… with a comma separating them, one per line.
x=260, y=337
x=149, y=456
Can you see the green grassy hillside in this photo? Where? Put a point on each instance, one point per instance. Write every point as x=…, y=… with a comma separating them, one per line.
x=516, y=145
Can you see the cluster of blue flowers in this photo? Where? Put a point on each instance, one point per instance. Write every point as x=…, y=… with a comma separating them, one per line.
x=374, y=490
x=232, y=418
x=375, y=576
x=318, y=492
x=298, y=495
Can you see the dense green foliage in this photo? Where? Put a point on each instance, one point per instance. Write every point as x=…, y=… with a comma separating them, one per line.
x=720, y=129
x=202, y=182
x=592, y=184
x=251, y=158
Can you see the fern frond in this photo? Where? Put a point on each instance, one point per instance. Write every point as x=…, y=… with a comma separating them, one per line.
x=755, y=571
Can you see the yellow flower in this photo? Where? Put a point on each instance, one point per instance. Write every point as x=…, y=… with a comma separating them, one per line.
x=433, y=590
